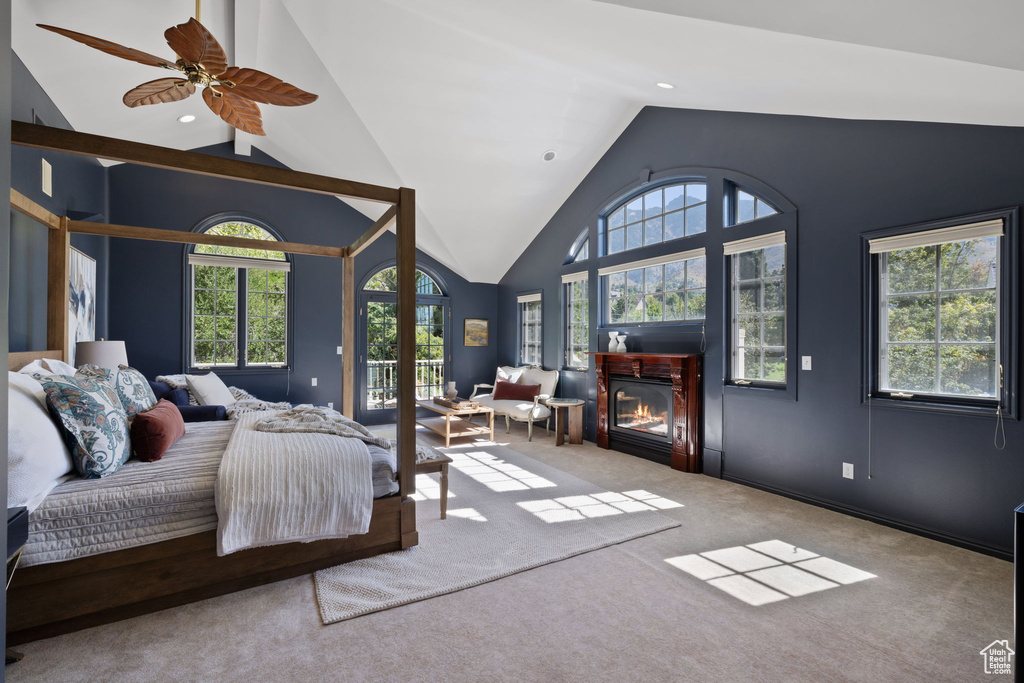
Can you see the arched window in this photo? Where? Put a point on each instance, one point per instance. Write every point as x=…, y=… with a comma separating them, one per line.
x=239, y=301
x=580, y=249
x=381, y=323
x=746, y=206
x=658, y=215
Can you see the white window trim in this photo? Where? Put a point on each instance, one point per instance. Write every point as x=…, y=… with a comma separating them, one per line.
x=733, y=249
x=931, y=238
x=772, y=239
x=575, y=277
x=655, y=261
x=527, y=298
x=238, y=262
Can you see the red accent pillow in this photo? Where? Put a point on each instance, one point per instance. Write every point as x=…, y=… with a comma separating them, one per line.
x=511, y=391
x=156, y=430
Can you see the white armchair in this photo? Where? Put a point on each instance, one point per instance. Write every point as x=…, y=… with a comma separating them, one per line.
x=521, y=411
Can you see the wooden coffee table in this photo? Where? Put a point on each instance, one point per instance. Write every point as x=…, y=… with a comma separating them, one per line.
x=450, y=423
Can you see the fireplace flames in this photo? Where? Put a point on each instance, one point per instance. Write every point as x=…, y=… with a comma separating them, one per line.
x=642, y=419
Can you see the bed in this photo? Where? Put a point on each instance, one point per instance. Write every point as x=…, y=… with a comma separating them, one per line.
x=63, y=589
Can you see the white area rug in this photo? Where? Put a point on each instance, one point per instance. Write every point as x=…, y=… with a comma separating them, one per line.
x=506, y=513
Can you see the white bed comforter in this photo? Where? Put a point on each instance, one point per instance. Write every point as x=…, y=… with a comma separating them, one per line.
x=281, y=488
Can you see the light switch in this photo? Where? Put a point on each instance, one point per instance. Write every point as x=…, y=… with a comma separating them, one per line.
x=314, y=381
x=47, y=178
x=339, y=350
x=805, y=362
x=330, y=404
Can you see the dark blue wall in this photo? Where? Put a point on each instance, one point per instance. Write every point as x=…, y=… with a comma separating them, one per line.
x=79, y=190
x=147, y=278
x=934, y=472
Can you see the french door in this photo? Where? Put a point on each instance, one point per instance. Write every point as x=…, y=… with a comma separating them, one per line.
x=379, y=360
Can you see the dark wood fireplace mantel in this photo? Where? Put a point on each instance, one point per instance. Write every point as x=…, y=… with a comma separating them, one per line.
x=684, y=372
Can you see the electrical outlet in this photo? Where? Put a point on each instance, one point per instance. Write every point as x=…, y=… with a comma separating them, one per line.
x=314, y=381
x=330, y=404
x=47, y=178
x=805, y=362
x=848, y=470
x=339, y=350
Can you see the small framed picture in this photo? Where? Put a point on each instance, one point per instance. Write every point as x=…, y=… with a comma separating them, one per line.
x=476, y=332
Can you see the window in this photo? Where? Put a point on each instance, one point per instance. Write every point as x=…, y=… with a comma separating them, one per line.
x=758, y=308
x=750, y=207
x=239, y=302
x=381, y=305
x=577, y=319
x=668, y=288
x=530, y=340
x=583, y=253
x=940, y=313
x=660, y=215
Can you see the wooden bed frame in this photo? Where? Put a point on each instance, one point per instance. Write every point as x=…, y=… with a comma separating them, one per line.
x=50, y=599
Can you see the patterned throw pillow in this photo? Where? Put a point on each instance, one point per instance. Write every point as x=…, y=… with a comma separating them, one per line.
x=132, y=389
x=92, y=421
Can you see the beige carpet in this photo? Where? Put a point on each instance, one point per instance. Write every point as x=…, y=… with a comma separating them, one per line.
x=620, y=613
x=507, y=513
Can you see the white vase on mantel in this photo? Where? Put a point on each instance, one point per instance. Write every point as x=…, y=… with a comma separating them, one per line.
x=613, y=345
x=621, y=346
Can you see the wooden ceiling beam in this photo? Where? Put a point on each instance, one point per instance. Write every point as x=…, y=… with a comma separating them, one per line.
x=182, y=237
x=382, y=225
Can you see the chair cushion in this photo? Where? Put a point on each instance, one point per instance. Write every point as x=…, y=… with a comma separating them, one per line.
x=507, y=373
x=517, y=410
x=515, y=392
x=547, y=379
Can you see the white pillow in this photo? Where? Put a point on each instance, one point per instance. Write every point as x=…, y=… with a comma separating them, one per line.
x=210, y=390
x=508, y=373
x=49, y=366
x=36, y=454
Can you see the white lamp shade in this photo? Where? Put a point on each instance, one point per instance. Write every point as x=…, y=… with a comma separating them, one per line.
x=106, y=354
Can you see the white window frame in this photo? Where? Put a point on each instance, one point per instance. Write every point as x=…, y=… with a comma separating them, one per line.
x=882, y=247
x=241, y=265
x=668, y=259
x=568, y=283
x=738, y=344
x=531, y=316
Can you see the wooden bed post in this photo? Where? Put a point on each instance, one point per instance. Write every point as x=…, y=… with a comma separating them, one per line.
x=57, y=276
x=406, y=267
x=348, y=337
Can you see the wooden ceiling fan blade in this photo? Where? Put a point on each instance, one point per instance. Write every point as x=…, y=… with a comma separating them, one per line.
x=262, y=87
x=193, y=43
x=237, y=111
x=159, y=91
x=114, y=49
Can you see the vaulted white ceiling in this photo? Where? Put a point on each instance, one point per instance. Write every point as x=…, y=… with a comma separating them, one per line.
x=459, y=99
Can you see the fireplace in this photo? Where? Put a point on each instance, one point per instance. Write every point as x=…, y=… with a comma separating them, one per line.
x=649, y=405
x=642, y=409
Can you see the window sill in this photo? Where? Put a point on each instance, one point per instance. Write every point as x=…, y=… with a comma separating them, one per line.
x=256, y=370
x=988, y=411
x=773, y=391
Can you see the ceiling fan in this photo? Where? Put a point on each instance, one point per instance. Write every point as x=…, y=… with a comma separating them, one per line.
x=230, y=91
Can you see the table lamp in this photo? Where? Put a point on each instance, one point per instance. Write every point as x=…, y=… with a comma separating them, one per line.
x=106, y=354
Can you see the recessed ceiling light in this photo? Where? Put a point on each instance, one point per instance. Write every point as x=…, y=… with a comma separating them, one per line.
x=666, y=86
x=548, y=155
x=187, y=118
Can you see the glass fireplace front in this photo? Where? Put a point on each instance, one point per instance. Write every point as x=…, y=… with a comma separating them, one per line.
x=643, y=409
